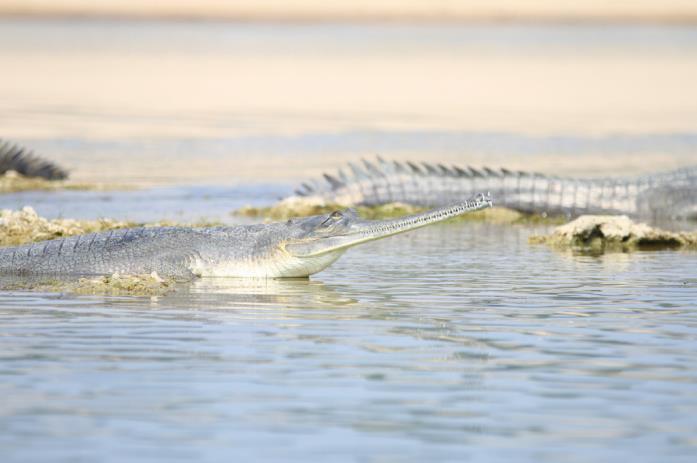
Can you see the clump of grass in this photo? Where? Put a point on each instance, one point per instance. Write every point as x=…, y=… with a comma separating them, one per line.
x=289, y=208
x=602, y=233
x=116, y=284
x=26, y=226
x=201, y=223
x=13, y=182
x=306, y=206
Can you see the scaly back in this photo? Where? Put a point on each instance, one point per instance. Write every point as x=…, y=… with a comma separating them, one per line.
x=661, y=195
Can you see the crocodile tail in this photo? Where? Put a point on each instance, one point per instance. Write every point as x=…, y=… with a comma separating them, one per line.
x=429, y=185
x=25, y=162
x=673, y=195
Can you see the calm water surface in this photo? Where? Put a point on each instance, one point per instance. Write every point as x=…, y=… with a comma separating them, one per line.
x=454, y=343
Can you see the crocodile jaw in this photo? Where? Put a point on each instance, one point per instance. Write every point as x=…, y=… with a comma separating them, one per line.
x=363, y=231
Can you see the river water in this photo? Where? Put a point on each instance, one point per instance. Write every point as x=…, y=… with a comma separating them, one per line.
x=456, y=342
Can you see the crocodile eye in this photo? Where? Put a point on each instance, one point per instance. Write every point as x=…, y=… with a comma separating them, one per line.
x=333, y=217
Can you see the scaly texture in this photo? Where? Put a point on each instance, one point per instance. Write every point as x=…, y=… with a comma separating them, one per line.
x=654, y=197
x=166, y=250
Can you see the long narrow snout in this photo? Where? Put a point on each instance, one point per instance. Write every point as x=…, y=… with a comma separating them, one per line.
x=369, y=230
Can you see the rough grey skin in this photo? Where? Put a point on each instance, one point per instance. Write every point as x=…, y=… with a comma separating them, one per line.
x=296, y=248
x=654, y=197
x=19, y=159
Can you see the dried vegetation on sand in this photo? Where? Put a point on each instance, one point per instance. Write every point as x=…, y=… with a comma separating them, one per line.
x=602, y=233
x=296, y=206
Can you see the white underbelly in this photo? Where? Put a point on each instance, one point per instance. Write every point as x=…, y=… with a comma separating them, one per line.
x=281, y=265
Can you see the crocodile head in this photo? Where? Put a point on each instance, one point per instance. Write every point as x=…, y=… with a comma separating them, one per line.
x=323, y=238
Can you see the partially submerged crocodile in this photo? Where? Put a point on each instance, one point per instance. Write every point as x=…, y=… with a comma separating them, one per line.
x=23, y=161
x=296, y=248
x=658, y=196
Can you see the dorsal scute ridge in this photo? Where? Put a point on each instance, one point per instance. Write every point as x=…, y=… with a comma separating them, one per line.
x=447, y=171
x=474, y=172
x=415, y=168
x=461, y=172
x=358, y=173
x=430, y=169
x=334, y=182
x=399, y=167
x=491, y=172
x=372, y=169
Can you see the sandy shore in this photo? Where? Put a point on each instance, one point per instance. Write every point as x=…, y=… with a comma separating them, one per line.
x=95, y=83
x=161, y=81
x=665, y=11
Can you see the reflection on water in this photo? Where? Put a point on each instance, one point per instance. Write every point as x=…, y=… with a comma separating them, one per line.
x=262, y=295
x=455, y=342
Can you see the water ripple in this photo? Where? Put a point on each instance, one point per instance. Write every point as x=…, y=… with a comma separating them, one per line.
x=451, y=343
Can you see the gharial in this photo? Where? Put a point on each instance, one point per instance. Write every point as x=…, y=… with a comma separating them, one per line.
x=666, y=195
x=296, y=248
